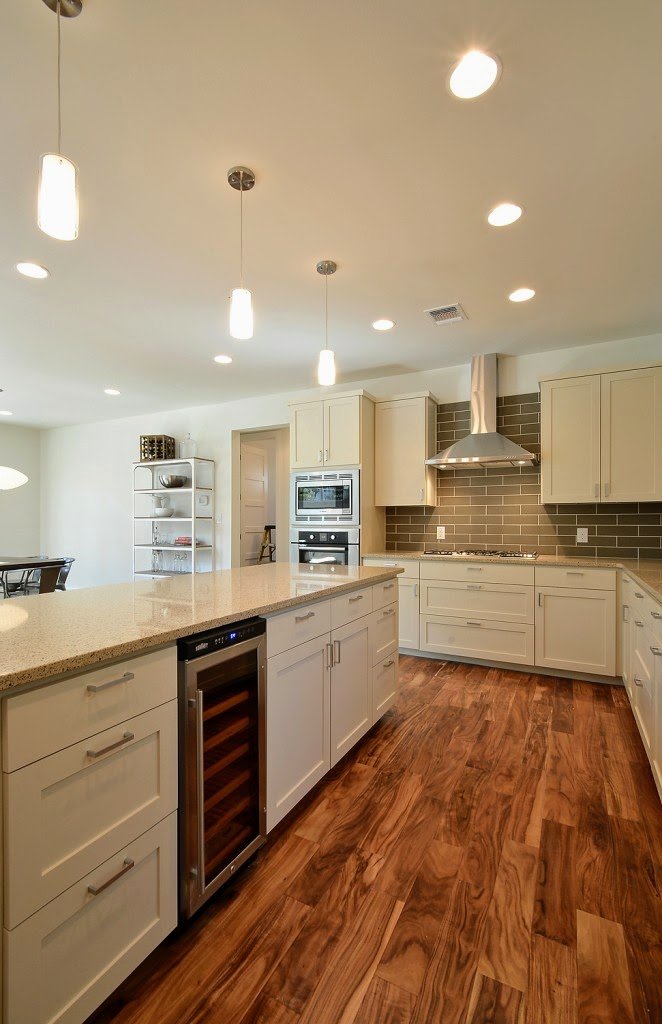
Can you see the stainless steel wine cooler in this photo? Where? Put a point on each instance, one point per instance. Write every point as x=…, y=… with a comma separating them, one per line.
x=222, y=675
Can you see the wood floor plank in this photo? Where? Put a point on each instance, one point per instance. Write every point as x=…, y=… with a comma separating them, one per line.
x=595, y=850
x=534, y=755
x=620, y=790
x=315, y=824
x=552, y=991
x=555, y=900
x=560, y=783
x=495, y=1002
x=384, y=1003
x=563, y=707
x=455, y=826
x=638, y=895
x=269, y=1011
x=398, y=870
x=525, y=823
x=603, y=983
x=507, y=940
x=645, y=970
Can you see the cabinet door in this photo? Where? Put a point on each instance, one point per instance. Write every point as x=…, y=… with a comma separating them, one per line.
x=570, y=440
x=409, y=614
x=351, y=686
x=297, y=724
x=342, y=431
x=643, y=677
x=401, y=448
x=632, y=435
x=575, y=630
x=656, y=759
x=384, y=686
x=627, y=596
x=307, y=435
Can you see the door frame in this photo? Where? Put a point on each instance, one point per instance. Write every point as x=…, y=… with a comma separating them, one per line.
x=281, y=433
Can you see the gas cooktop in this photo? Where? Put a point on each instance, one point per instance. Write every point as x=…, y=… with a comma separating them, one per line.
x=481, y=551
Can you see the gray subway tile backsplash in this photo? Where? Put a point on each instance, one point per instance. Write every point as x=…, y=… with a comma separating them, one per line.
x=501, y=508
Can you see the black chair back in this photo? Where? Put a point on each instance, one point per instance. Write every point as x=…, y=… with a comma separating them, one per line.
x=64, y=572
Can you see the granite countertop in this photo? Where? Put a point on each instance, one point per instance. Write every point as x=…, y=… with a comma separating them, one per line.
x=47, y=635
x=647, y=571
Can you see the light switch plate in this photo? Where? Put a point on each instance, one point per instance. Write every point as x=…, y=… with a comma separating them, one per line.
x=582, y=535
x=441, y=533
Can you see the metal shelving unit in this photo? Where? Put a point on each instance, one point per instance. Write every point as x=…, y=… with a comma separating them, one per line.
x=155, y=553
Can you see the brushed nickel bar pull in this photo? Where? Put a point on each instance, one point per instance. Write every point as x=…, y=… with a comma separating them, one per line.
x=326, y=454
x=474, y=586
x=607, y=490
x=302, y=618
x=353, y=599
x=389, y=611
x=126, y=738
x=387, y=664
x=416, y=591
x=573, y=572
x=94, y=890
x=329, y=655
x=626, y=610
x=336, y=652
x=470, y=623
x=474, y=568
x=637, y=681
x=657, y=651
x=657, y=615
x=389, y=586
x=596, y=490
x=540, y=598
x=638, y=622
x=97, y=687
x=637, y=594
x=319, y=457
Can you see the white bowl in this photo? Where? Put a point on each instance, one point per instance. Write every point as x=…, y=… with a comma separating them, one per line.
x=163, y=513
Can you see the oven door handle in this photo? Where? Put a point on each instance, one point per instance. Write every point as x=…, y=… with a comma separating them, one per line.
x=322, y=561
x=319, y=547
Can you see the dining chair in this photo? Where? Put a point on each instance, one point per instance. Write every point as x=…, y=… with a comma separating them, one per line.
x=63, y=574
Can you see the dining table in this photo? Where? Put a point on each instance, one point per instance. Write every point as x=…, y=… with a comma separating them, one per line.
x=28, y=563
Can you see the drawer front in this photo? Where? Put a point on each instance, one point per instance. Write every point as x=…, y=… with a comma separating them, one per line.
x=384, y=594
x=643, y=682
x=384, y=630
x=573, y=576
x=67, y=813
x=348, y=607
x=53, y=717
x=478, y=638
x=410, y=565
x=289, y=629
x=384, y=686
x=472, y=572
x=66, y=959
x=505, y=602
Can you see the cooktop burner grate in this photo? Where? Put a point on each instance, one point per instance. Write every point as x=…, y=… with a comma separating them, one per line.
x=490, y=553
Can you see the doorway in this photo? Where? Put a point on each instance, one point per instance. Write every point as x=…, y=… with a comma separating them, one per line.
x=260, y=494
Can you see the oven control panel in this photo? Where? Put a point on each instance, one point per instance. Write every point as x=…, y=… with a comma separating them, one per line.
x=217, y=639
x=325, y=537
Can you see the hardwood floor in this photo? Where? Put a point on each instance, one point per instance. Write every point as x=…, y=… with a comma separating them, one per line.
x=491, y=852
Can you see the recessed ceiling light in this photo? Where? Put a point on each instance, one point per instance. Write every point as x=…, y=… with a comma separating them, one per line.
x=223, y=359
x=474, y=74
x=521, y=295
x=5, y=412
x=503, y=214
x=383, y=325
x=111, y=391
x=35, y=270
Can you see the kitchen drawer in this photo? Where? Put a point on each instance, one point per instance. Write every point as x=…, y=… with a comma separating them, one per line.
x=478, y=638
x=473, y=572
x=62, y=962
x=53, y=717
x=384, y=593
x=643, y=679
x=68, y=812
x=384, y=633
x=289, y=629
x=574, y=576
x=411, y=566
x=384, y=686
x=348, y=607
x=650, y=611
x=504, y=602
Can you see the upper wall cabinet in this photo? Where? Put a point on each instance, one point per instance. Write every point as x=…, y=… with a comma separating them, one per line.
x=327, y=432
x=405, y=436
x=602, y=437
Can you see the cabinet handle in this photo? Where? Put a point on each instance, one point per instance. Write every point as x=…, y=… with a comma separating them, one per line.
x=126, y=738
x=422, y=494
x=389, y=586
x=637, y=681
x=388, y=611
x=470, y=623
x=358, y=598
x=319, y=456
x=607, y=490
x=657, y=615
x=626, y=610
x=540, y=598
x=596, y=490
x=303, y=618
x=94, y=890
x=336, y=652
x=474, y=586
x=657, y=651
x=387, y=664
x=415, y=589
x=638, y=622
x=474, y=568
x=97, y=687
x=573, y=572
x=329, y=655
x=389, y=564
x=637, y=594
x=326, y=454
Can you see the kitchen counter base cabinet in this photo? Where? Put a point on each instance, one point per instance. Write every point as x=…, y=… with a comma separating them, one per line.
x=484, y=639
x=351, y=686
x=63, y=961
x=576, y=630
x=408, y=600
x=384, y=686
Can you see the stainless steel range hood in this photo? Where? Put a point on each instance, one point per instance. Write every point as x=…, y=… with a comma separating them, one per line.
x=483, y=447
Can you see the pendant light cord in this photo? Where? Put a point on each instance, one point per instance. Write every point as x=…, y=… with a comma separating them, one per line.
x=326, y=311
x=59, y=88
x=241, y=227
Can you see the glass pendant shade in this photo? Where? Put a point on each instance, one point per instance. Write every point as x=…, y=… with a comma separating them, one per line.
x=10, y=478
x=57, y=208
x=241, y=314
x=326, y=368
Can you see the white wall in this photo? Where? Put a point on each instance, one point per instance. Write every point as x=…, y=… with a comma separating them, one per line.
x=86, y=470
x=19, y=508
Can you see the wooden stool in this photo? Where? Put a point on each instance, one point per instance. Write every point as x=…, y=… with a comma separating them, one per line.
x=267, y=546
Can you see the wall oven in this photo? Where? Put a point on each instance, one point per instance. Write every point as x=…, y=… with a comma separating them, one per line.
x=325, y=497
x=222, y=816
x=324, y=547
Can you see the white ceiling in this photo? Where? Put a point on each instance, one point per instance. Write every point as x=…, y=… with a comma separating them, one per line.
x=361, y=156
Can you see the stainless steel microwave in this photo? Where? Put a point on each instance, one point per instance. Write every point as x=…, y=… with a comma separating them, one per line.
x=325, y=498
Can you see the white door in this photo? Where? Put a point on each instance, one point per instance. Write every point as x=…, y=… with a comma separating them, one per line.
x=409, y=614
x=254, y=487
x=351, y=678
x=400, y=452
x=307, y=435
x=632, y=435
x=570, y=440
x=575, y=630
x=342, y=431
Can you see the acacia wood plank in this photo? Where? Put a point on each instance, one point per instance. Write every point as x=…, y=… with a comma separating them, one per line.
x=315, y=824
x=495, y=1002
x=560, y=783
x=555, y=900
x=603, y=983
x=398, y=870
x=563, y=707
x=620, y=790
x=525, y=823
x=645, y=971
x=552, y=991
x=636, y=883
x=534, y=755
x=384, y=1003
x=269, y=1011
x=455, y=825
x=507, y=940
x=595, y=850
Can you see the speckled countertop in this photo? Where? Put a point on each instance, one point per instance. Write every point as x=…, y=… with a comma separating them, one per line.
x=647, y=571
x=50, y=634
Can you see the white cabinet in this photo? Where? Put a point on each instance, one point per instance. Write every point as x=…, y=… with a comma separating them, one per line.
x=601, y=437
x=570, y=440
x=298, y=724
x=631, y=448
x=384, y=686
x=627, y=601
x=575, y=629
x=643, y=679
x=326, y=433
x=656, y=758
x=405, y=435
x=409, y=613
x=351, y=686
x=485, y=639
x=642, y=668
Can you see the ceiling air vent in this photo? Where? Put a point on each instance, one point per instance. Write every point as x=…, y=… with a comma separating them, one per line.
x=447, y=314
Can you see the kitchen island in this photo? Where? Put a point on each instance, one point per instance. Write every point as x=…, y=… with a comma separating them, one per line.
x=90, y=713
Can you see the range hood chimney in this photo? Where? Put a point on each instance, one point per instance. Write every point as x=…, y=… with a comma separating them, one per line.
x=483, y=447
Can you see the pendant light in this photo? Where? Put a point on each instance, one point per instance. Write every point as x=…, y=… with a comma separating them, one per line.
x=326, y=366
x=57, y=202
x=10, y=478
x=241, y=304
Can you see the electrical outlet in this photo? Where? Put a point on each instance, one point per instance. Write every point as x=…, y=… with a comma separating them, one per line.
x=582, y=535
x=441, y=533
